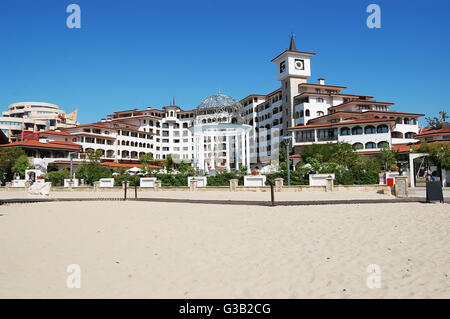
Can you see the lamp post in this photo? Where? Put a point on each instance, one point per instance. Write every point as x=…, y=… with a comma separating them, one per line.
x=288, y=139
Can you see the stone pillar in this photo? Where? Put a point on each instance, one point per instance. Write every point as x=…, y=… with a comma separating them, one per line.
x=233, y=185
x=157, y=187
x=329, y=184
x=278, y=184
x=97, y=186
x=8, y=185
x=127, y=183
x=247, y=140
x=70, y=184
x=401, y=186
x=193, y=185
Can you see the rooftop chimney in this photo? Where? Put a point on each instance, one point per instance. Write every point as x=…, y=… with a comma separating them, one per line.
x=321, y=81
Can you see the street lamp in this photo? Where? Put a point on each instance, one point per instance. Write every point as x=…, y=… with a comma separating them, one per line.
x=287, y=138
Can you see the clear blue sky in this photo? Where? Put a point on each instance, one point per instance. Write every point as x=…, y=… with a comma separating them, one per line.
x=138, y=53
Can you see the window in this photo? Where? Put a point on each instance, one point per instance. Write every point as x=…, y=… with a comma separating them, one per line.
x=383, y=144
x=369, y=130
x=409, y=135
x=358, y=146
x=357, y=130
x=307, y=113
x=371, y=145
x=320, y=113
x=345, y=131
x=319, y=100
x=382, y=129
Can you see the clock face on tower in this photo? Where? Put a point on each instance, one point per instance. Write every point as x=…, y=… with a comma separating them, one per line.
x=299, y=64
x=282, y=66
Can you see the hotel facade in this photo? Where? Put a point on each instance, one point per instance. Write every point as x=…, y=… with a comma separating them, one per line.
x=308, y=112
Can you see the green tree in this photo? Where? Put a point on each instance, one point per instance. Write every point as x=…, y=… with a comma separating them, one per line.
x=435, y=123
x=438, y=152
x=21, y=165
x=343, y=154
x=185, y=168
x=321, y=152
x=8, y=157
x=92, y=170
x=169, y=163
x=145, y=160
x=388, y=157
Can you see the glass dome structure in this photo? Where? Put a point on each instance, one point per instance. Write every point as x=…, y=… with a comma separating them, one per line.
x=217, y=100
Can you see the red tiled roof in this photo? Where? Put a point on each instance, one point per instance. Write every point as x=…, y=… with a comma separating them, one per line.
x=401, y=147
x=295, y=156
x=366, y=102
x=53, y=144
x=428, y=131
x=341, y=123
x=109, y=164
x=54, y=133
x=113, y=164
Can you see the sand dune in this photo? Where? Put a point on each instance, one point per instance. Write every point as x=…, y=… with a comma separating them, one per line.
x=161, y=250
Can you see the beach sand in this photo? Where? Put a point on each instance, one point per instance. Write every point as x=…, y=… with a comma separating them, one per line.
x=167, y=250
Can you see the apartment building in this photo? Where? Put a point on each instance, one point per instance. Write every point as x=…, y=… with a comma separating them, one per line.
x=34, y=117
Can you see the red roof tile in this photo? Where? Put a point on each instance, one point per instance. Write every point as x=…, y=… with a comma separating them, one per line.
x=341, y=123
x=53, y=144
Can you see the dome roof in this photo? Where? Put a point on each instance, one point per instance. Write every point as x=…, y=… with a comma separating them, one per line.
x=217, y=101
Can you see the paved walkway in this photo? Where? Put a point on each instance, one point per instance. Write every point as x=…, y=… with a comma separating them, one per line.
x=225, y=202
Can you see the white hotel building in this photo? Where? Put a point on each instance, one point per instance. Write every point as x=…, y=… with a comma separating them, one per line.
x=309, y=112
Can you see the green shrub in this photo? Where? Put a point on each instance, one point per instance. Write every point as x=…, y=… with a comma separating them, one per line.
x=222, y=179
x=57, y=177
x=92, y=173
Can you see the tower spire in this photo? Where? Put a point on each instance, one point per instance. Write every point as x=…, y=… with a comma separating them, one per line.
x=292, y=46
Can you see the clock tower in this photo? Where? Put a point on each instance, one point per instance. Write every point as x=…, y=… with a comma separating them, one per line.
x=294, y=68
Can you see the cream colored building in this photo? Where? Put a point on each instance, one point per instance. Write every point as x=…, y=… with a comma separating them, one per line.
x=34, y=117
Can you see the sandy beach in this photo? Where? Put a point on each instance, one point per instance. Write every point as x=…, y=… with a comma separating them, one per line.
x=166, y=250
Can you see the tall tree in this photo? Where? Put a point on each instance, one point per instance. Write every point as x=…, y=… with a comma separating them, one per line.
x=435, y=123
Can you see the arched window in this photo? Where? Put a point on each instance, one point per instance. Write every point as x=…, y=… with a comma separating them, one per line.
x=319, y=113
x=406, y=121
x=382, y=144
x=301, y=113
x=370, y=145
x=409, y=135
x=382, y=129
x=307, y=113
x=358, y=146
x=296, y=115
x=369, y=129
x=345, y=131
x=357, y=130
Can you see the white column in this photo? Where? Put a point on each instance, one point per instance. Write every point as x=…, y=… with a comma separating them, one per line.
x=195, y=157
x=247, y=138
x=243, y=148
x=227, y=145
x=236, y=151
x=213, y=162
x=444, y=177
x=411, y=171
x=201, y=155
